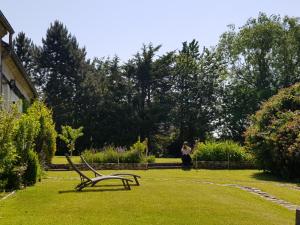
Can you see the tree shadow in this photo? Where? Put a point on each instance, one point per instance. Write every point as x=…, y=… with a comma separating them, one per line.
x=186, y=168
x=267, y=176
x=93, y=190
x=97, y=188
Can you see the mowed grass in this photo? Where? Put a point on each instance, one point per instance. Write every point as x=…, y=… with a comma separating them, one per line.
x=76, y=159
x=166, y=197
x=63, y=160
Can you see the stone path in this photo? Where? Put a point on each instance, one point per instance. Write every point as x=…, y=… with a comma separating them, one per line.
x=268, y=197
x=255, y=191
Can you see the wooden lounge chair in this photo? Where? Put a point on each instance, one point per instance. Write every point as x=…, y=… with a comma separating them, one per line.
x=86, y=181
x=97, y=174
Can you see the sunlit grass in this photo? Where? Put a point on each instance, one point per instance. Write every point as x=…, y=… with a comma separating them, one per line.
x=174, y=197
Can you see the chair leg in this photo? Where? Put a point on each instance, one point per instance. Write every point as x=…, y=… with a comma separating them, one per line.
x=128, y=185
x=124, y=184
x=136, y=181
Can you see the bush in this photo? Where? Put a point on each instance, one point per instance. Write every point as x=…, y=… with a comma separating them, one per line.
x=150, y=159
x=45, y=141
x=110, y=154
x=33, y=171
x=220, y=151
x=8, y=153
x=26, y=131
x=12, y=179
x=274, y=134
x=20, y=136
x=139, y=147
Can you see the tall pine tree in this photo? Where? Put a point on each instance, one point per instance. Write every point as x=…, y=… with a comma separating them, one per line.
x=62, y=65
x=27, y=53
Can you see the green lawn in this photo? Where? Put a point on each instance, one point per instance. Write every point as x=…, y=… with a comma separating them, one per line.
x=168, y=160
x=166, y=197
x=63, y=160
x=76, y=159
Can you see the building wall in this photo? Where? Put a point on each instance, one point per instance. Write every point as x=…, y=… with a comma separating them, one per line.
x=14, y=86
x=11, y=72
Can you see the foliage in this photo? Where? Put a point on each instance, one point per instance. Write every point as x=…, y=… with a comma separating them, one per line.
x=61, y=63
x=69, y=135
x=111, y=154
x=27, y=129
x=149, y=159
x=139, y=147
x=8, y=152
x=27, y=52
x=274, y=133
x=196, y=86
x=220, y=151
x=20, y=135
x=45, y=141
x=179, y=96
x=33, y=170
x=261, y=57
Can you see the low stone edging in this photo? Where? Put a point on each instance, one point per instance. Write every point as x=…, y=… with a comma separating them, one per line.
x=101, y=166
x=145, y=166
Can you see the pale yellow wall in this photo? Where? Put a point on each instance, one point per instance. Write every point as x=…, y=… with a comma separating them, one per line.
x=12, y=73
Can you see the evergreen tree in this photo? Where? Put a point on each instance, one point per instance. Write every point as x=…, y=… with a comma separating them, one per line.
x=62, y=64
x=196, y=90
x=27, y=52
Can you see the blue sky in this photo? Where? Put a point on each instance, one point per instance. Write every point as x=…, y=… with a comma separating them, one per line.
x=120, y=27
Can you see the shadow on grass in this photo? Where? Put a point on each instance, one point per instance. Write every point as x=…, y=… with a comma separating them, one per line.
x=267, y=176
x=186, y=168
x=93, y=190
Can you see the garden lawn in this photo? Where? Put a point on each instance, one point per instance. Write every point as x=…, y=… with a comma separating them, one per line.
x=166, y=197
x=63, y=160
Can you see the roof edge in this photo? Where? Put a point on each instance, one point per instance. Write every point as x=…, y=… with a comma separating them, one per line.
x=5, y=23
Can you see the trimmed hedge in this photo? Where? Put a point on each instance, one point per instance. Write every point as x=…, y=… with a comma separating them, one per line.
x=220, y=151
x=274, y=134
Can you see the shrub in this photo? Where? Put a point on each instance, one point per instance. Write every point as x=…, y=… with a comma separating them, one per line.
x=274, y=134
x=139, y=147
x=12, y=179
x=220, y=151
x=69, y=135
x=45, y=141
x=26, y=131
x=149, y=159
x=33, y=170
x=20, y=135
x=8, y=153
x=132, y=156
x=111, y=154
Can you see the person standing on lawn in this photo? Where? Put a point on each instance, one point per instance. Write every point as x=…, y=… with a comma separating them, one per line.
x=186, y=158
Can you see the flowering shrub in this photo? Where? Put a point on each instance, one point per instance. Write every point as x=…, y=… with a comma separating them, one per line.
x=111, y=154
x=274, y=135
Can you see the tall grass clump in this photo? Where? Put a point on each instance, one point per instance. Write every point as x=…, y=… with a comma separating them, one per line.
x=111, y=154
x=220, y=151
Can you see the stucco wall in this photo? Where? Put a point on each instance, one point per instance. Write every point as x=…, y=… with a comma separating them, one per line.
x=11, y=72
